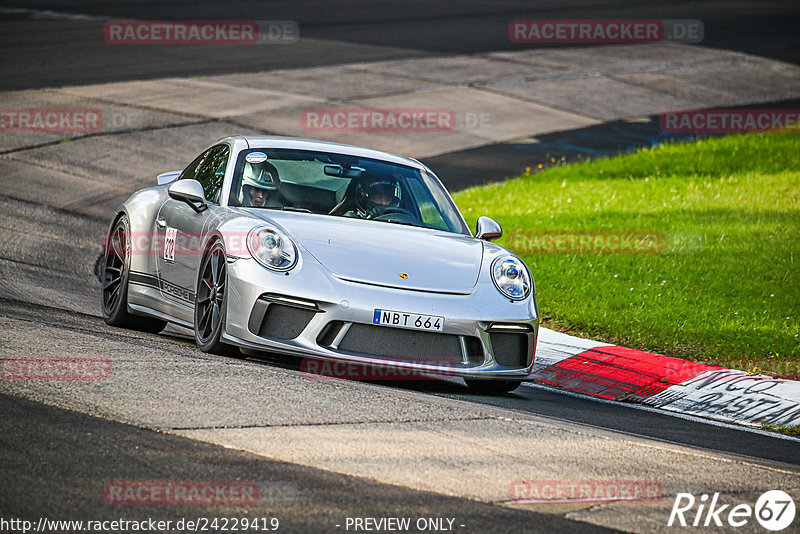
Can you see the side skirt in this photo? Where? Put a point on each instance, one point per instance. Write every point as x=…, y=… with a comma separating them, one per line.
x=144, y=310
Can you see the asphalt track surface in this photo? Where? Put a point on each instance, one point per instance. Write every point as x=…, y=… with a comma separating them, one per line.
x=54, y=461
x=61, y=469
x=37, y=52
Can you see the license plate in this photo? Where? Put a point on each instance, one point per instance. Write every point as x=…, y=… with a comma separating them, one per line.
x=414, y=321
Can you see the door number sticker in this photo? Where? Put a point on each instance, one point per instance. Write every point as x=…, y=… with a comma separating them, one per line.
x=169, y=244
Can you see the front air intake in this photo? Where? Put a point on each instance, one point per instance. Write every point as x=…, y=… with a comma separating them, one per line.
x=284, y=322
x=510, y=349
x=400, y=344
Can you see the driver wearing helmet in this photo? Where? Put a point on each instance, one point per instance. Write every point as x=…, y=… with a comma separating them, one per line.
x=375, y=197
x=260, y=185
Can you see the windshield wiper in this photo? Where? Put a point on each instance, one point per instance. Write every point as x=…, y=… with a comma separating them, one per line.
x=286, y=208
x=394, y=221
x=292, y=208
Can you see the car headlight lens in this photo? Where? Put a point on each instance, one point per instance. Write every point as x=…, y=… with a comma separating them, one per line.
x=272, y=248
x=511, y=277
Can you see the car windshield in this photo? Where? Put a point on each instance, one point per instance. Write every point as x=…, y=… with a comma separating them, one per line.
x=343, y=186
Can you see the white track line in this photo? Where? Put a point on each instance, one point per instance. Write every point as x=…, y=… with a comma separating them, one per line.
x=46, y=14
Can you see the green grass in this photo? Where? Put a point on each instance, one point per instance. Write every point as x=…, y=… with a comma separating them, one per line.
x=725, y=288
x=789, y=430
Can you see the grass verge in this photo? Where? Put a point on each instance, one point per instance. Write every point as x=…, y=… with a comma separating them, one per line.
x=716, y=227
x=789, y=430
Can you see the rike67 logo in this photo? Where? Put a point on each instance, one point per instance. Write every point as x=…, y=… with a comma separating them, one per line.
x=774, y=510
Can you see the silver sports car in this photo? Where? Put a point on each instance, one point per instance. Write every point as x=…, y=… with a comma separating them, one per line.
x=325, y=251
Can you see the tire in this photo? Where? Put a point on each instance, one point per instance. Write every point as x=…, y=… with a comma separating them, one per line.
x=114, y=271
x=211, y=300
x=492, y=386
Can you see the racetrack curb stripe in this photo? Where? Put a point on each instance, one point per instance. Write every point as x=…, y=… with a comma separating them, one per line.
x=613, y=372
x=631, y=375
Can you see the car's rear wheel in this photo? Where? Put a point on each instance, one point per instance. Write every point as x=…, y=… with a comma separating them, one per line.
x=492, y=386
x=211, y=298
x=114, y=274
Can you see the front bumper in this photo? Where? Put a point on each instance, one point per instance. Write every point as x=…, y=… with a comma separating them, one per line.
x=311, y=312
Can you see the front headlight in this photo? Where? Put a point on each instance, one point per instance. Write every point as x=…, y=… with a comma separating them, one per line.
x=511, y=277
x=272, y=248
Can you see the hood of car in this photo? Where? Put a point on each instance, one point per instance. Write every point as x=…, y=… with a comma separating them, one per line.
x=385, y=254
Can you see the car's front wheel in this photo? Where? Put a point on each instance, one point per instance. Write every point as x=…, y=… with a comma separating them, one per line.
x=492, y=386
x=210, y=301
x=114, y=273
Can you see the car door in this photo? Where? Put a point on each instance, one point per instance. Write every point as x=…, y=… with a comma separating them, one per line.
x=182, y=229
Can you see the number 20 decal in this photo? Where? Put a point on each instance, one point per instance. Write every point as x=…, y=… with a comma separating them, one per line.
x=169, y=244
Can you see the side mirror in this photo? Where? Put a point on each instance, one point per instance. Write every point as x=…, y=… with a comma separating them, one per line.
x=333, y=170
x=168, y=177
x=488, y=229
x=189, y=191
